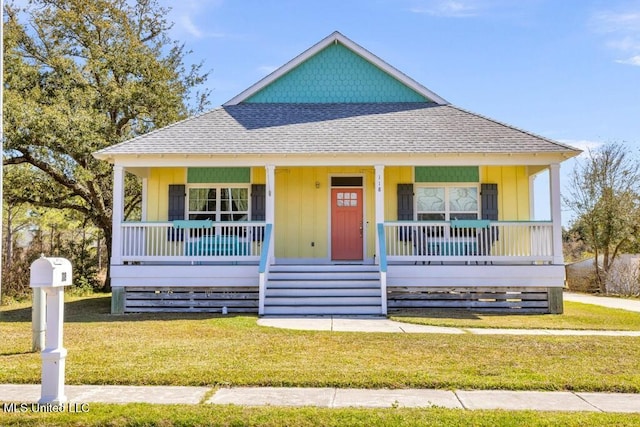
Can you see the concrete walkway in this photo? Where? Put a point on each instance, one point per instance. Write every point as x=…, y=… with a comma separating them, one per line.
x=610, y=302
x=336, y=397
x=380, y=324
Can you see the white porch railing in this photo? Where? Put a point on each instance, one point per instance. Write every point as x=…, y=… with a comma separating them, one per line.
x=200, y=241
x=472, y=240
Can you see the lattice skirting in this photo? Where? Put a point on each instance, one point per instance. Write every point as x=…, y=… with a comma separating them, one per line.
x=179, y=299
x=510, y=299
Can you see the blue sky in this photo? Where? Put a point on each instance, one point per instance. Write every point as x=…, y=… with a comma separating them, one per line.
x=565, y=69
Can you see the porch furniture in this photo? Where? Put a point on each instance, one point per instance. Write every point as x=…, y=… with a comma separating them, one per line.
x=216, y=245
x=179, y=225
x=472, y=234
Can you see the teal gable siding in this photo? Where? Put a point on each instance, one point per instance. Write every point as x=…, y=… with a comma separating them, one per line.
x=336, y=75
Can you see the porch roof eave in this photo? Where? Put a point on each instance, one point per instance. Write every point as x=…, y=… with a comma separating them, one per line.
x=149, y=160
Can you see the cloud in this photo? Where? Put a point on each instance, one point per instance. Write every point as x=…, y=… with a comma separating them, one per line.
x=447, y=8
x=185, y=17
x=621, y=29
x=634, y=60
x=625, y=44
x=582, y=144
x=267, y=69
x=615, y=22
x=187, y=24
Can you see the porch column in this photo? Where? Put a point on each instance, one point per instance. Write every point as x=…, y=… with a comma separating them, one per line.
x=379, y=189
x=270, y=205
x=532, y=198
x=118, y=212
x=145, y=189
x=556, y=215
x=379, y=193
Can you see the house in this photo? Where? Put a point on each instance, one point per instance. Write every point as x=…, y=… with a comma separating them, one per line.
x=337, y=185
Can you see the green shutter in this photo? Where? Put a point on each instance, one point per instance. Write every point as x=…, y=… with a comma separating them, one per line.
x=219, y=175
x=447, y=174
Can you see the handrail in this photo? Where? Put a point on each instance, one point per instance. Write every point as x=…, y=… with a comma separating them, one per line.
x=264, y=256
x=382, y=244
x=263, y=268
x=382, y=247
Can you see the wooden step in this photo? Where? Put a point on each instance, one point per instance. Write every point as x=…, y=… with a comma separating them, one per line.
x=323, y=290
x=301, y=310
x=323, y=284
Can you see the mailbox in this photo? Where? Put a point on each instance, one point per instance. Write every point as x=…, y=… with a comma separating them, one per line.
x=50, y=272
x=49, y=276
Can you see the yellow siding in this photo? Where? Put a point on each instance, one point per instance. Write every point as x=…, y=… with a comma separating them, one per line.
x=302, y=210
x=513, y=190
x=393, y=176
x=258, y=176
x=158, y=190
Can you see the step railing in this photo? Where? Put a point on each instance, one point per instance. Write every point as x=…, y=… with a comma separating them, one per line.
x=382, y=250
x=263, y=267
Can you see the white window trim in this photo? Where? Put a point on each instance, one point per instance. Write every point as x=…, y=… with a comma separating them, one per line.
x=447, y=186
x=218, y=187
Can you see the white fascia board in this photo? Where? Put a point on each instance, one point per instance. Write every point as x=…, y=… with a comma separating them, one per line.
x=343, y=159
x=336, y=37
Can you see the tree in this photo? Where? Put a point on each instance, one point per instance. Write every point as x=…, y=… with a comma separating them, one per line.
x=82, y=75
x=604, y=194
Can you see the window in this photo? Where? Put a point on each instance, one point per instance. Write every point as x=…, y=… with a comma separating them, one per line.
x=444, y=203
x=219, y=203
x=347, y=199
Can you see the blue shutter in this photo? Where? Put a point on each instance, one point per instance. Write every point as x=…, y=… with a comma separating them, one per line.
x=177, y=197
x=488, y=210
x=258, y=206
x=258, y=202
x=405, y=209
x=489, y=201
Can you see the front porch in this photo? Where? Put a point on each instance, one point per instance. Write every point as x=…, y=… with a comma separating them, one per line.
x=216, y=267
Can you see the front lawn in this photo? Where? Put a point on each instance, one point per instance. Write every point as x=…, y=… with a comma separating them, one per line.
x=192, y=349
x=210, y=415
x=576, y=316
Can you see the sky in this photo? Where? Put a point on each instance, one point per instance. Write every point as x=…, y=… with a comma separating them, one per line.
x=568, y=70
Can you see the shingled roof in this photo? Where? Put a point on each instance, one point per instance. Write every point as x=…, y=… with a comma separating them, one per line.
x=336, y=97
x=336, y=128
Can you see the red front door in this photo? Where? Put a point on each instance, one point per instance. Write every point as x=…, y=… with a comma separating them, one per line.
x=346, y=224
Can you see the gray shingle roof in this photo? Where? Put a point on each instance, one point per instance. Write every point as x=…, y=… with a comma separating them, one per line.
x=336, y=128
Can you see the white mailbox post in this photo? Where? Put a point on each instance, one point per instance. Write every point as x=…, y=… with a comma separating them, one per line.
x=52, y=275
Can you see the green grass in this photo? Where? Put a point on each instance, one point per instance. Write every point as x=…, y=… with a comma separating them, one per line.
x=184, y=349
x=576, y=316
x=209, y=415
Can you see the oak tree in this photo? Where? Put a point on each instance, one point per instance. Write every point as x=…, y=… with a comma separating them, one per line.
x=81, y=75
